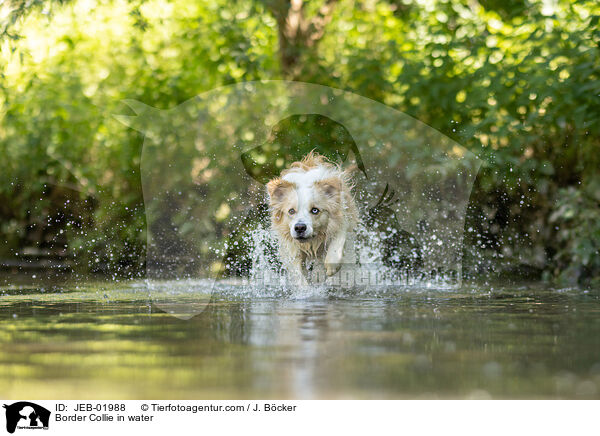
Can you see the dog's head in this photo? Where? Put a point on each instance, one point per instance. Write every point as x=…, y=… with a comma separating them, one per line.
x=305, y=204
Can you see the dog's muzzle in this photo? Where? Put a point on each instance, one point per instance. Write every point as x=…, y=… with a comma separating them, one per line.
x=301, y=232
x=300, y=228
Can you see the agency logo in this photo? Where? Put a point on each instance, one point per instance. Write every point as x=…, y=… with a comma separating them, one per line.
x=205, y=163
x=26, y=415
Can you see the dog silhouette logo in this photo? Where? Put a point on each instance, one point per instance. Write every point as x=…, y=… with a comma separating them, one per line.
x=204, y=164
x=26, y=415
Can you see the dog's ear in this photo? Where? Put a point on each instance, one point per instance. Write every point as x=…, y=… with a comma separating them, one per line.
x=278, y=188
x=330, y=187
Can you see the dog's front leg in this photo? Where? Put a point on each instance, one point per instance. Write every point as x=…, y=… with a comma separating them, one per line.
x=335, y=251
x=295, y=271
x=297, y=274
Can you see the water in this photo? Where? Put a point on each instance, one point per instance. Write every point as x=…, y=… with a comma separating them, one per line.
x=106, y=340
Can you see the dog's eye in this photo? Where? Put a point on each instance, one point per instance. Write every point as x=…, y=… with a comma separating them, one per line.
x=291, y=211
x=314, y=211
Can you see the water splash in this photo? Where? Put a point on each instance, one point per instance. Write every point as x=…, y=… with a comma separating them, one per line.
x=374, y=271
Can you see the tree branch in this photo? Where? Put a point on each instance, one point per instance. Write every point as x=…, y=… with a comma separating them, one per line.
x=295, y=31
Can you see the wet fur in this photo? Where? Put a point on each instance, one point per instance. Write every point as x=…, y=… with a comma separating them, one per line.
x=327, y=187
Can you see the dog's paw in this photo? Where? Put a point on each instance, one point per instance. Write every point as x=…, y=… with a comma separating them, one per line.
x=332, y=267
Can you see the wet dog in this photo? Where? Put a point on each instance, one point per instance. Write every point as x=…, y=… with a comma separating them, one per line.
x=313, y=215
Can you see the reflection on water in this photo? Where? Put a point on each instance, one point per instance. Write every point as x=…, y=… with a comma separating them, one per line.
x=110, y=342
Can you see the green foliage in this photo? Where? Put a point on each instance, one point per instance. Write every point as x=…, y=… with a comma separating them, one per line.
x=518, y=86
x=70, y=180
x=515, y=82
x=577, y=226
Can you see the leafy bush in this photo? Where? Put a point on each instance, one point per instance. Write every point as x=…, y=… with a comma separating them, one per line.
x=515, y=82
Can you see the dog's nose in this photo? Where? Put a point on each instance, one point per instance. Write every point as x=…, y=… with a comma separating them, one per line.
x=300, y=228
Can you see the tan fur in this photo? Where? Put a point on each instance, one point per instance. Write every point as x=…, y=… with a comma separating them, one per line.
x=332, y=195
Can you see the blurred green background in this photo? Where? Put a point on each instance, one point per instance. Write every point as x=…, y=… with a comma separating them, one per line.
x=516, y=82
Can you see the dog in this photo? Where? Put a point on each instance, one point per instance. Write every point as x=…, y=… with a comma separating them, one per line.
x=313, y=215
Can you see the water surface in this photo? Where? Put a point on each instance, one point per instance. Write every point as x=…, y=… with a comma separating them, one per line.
x=108, y=340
